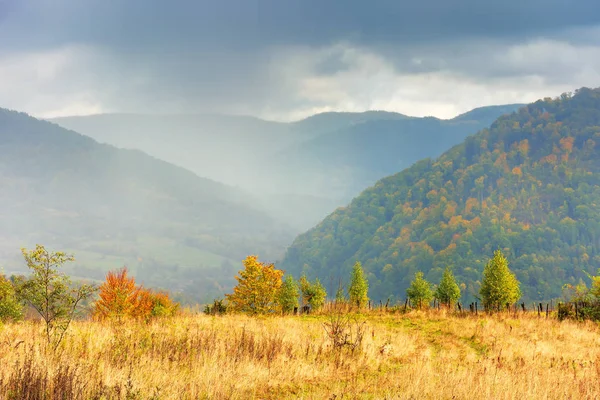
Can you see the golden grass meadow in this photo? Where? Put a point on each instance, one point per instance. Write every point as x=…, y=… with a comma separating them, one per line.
x=417, y=355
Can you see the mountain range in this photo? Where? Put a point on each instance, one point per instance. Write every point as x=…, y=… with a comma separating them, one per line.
x=297, y=172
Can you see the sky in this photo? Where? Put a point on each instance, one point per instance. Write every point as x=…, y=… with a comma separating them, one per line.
x=287, y=59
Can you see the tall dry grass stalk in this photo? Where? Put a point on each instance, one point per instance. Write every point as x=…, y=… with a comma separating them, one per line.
x=418, y=355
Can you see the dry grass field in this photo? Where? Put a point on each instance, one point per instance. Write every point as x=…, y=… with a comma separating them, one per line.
x=419, y=355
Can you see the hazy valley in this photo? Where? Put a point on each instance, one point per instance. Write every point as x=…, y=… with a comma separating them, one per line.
x=298, y=172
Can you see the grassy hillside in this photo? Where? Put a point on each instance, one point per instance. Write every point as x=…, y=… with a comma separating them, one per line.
x=529, y=185
x=114, y=207
x=402, y=356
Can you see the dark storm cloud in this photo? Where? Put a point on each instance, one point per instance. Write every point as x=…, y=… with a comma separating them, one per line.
x=144, y=25
x=275, y=56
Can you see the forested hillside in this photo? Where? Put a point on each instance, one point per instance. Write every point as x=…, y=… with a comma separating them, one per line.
x=529, y=185
x=114, y=207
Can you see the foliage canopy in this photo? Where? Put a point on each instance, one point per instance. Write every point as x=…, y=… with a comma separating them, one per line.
x=499, y=285
x=419, y=291
x=257, y=289
x=448, y=291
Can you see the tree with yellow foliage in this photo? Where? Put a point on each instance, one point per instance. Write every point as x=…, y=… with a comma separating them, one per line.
x=257, y=289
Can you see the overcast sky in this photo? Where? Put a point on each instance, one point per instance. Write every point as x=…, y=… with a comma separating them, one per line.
x=286, y=59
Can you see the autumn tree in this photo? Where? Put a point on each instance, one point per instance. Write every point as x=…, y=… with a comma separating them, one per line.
x=257, y=289
x=359, y=287
x=120, y=298
x=288, y=295
x=499, y=286
x=313, y=293
x=419, y=291
x=51, y=292
x=448, y=291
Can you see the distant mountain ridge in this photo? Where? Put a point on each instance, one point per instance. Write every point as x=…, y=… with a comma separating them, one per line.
x=322, y=161
x=487, y=114
x=530, y=185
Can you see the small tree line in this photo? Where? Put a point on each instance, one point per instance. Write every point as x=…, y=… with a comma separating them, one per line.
x=57, y=300
x=499, y=287
x=262, y=289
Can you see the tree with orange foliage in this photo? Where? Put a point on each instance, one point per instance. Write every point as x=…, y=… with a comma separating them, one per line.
x=121, y=298
x=257, y=288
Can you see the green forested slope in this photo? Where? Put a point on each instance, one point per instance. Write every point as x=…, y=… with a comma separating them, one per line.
x=529, y=185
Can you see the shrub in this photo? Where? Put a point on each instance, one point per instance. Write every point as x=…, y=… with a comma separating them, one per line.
x=120, y=298
x=288, y=295
x=345, y=331
x=217, y=308
x=163, y=305
x=313, y=294
x=10, y=307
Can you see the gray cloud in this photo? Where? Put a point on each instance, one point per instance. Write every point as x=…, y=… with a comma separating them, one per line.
x=146, y=25
x=285, y=59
